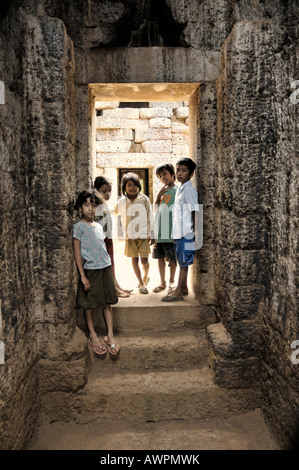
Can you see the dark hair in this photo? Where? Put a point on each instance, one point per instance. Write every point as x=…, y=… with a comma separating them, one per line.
x=127, y=177
x=84, y=195
x=166, y=166
x=190, y=164
x=100, y=181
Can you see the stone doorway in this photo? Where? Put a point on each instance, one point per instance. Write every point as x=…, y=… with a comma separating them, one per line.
x=127, y=137
x=143, y=174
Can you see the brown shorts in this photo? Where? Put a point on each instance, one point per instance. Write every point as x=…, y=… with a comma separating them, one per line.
x=102, y=289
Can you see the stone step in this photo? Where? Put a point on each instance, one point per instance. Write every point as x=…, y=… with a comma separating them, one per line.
x=147, y=313
x=151, y=396
x=178, y=349
x=246, y=431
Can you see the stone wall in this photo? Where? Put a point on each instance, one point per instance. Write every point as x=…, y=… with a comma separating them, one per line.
x=19, y=374
x=257, y=215
x=247, y=179
x=140, y=138
x=37, y=192
x=279, y=310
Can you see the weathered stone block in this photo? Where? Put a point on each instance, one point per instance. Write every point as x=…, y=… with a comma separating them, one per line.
x=112, y=146
x=162, y=146
x=180, y=139
x=243, y=267
x=106, y=104
x=250, y=232
x=141, y=124
x=128, y=113
x=108, y=122
x=180, y=150
x=160, y=122
x=114, y=134
x=152, y=134
x=182, y=112
x=244, y=301
x=165, y=104
x=230, y=366
x=179, y=127
x=147, y=113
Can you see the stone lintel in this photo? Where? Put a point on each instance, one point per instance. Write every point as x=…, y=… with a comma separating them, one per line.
x=145, y=65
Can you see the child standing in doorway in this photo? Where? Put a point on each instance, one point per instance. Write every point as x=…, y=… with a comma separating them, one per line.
x=103, y=216
x=163, y=248
x=135, y=211
x=96, y=284
x=184, y=227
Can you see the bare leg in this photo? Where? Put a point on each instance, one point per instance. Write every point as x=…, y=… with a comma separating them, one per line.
x=127, y=291
x=145, y=267
x=90, y=325
x=162, y=266
x=182, y=282
x=162, y=285
x=172, y=269
x=108, y=314
x=136, y=268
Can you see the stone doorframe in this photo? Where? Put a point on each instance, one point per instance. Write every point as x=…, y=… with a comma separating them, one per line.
x=156, y=74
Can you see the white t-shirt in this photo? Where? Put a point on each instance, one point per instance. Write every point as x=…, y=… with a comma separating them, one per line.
x=135, y=216
x=186, y=202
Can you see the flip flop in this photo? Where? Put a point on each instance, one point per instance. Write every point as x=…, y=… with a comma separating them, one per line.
x=99, y=350
x=159, y=288
x=170, y=289
x=171, y=298
x=112, y=348
x=143, y=290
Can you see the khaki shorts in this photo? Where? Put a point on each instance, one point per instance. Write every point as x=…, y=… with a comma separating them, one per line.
x=137, y=247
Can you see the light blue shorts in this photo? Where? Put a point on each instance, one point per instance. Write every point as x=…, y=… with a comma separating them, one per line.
x=184, y=249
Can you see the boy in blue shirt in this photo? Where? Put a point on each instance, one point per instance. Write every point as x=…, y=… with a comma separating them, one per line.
x=183, y=226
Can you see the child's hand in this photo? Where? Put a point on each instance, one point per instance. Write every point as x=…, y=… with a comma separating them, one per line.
x=85, y=283
x=161, y=194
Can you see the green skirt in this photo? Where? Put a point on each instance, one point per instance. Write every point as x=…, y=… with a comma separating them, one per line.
x=102, y=289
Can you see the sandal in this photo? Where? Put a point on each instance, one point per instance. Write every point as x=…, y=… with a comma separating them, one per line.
x=143, y=290
x=99, y=350
x=159, y=288
x=112, y=348
x=171, y=298
x=171, y=289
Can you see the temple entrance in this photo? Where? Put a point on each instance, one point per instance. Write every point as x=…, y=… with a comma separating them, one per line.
x=136, y=129
x=143, y=177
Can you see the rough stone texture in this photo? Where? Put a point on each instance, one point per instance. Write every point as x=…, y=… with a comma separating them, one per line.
x=37, y=187
x=242, y=198
x=247, y=176
x=256, y=212
x=279, y=311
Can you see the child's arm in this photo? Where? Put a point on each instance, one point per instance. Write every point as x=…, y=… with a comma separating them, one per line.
x=150, y=221
x=160, y=194
x=78, y=259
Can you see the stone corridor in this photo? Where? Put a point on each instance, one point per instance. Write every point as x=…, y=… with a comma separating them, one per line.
x=159, y=394
x=227, y=359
